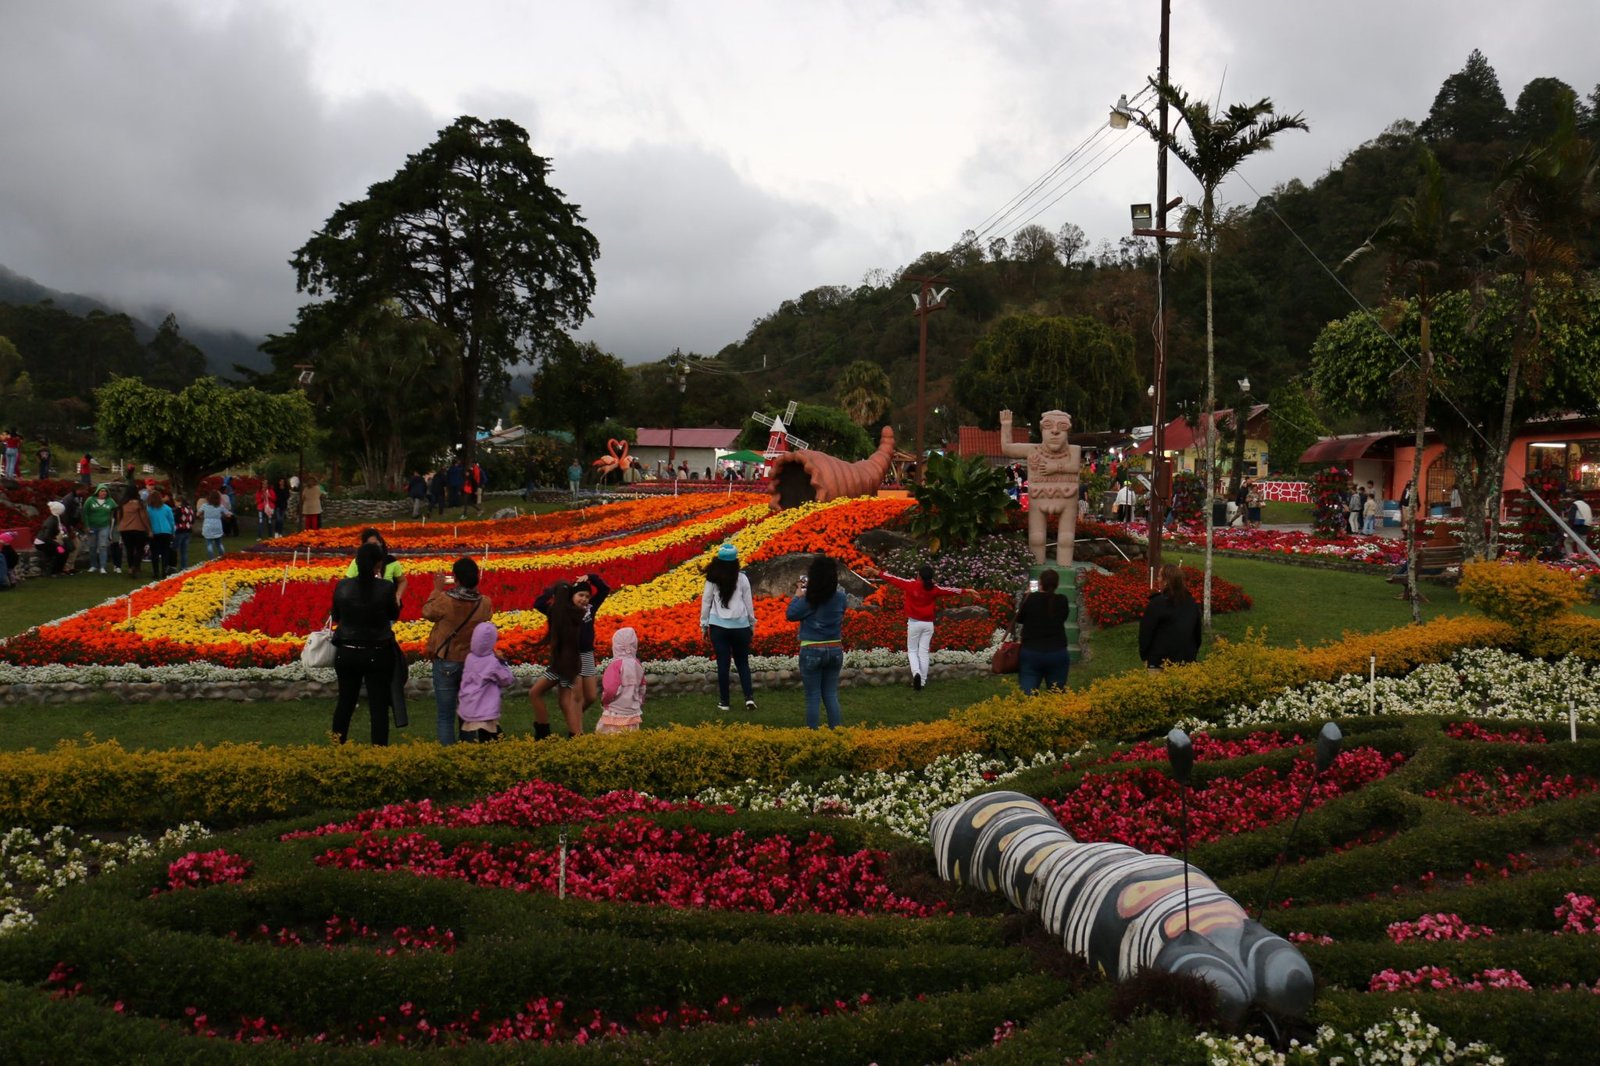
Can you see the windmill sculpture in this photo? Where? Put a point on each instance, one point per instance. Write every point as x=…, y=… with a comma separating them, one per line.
x=779, y=440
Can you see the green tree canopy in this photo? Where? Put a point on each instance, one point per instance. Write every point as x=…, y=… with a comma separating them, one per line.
x=469, y=235
x=1032, y=363
x=863, y=392
x=825, y=429
x=577, y=387
x=1295, y=426
x=1355, y=362
x=201, y=430
x=1469, y=106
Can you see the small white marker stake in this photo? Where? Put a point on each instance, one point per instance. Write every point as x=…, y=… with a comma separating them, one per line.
x=1372, y=683
x=1572, y=720
x=130, y=608
x=285, y=586
x=486, y=555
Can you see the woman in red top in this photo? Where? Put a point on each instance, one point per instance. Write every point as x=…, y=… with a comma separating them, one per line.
x=922, y=598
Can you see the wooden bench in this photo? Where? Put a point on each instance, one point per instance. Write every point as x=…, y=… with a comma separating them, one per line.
x=1438, y=561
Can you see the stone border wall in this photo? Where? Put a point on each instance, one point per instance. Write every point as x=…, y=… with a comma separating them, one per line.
x=419, y=691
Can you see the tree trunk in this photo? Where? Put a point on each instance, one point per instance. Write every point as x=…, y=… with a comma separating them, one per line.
x=1520, y=343
x=1211, y=441
x=1418, y=506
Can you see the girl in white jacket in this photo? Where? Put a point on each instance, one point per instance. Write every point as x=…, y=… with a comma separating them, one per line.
x=728, y=618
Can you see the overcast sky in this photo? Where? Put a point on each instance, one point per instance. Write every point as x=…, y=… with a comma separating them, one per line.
x=728, y=154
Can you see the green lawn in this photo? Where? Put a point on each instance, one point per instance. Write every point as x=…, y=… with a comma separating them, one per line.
x=1293, y=604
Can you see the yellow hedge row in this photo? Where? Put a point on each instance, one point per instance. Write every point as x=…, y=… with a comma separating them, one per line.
x=101, y=784
x=1527, y=596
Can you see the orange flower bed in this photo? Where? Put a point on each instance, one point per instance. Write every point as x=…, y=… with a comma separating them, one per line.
x=250, y=610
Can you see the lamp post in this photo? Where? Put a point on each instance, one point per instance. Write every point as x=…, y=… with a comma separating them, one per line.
x=678, y=374
x=306, y=376
x=1160, y=467
x=927, y=302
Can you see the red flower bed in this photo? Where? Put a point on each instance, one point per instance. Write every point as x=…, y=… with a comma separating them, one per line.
x=637, y=861
x=1206, y=748
x=200, y=869
x=1474, y=731
x=528, y=805
x=1140, y=807
x=1507, y=792
x=1120, y=596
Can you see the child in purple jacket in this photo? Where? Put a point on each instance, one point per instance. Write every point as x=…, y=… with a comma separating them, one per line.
x=482, y=679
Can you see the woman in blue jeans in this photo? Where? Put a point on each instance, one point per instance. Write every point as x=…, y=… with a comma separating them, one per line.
x=1042, y=621
x=728, y=619
x=818, y=606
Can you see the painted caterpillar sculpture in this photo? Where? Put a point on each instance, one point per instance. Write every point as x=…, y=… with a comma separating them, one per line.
x=1118, y=907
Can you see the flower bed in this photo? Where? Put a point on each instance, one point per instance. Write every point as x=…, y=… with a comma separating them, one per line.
x=1120, y=596
x=248, y=611
x=790, y=926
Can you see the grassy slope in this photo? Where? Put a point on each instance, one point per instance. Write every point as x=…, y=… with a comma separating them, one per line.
x=1292, y=604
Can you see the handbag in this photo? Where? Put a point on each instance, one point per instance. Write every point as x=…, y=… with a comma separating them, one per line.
x=1008, y=656
x=319, y=649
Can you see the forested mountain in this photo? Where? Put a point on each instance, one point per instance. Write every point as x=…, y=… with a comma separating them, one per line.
x=1273, y=296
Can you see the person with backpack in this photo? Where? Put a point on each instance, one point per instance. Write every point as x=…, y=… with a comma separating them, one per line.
x=455, y=607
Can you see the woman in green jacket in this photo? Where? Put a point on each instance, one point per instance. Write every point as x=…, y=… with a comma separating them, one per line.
x=99, y=516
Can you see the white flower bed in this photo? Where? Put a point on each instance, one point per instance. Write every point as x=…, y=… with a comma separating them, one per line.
x=44, y=865
x=1404, y=1039
x=1475, y=683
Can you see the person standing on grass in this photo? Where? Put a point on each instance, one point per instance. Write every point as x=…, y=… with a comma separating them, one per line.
x=183, y=515
x=623, y=687
x=13, y=452
x=280, y=505
x=455, y=608
x=1169, y=631
x=818, y=606
x=50, y=542
x=162, y=525
x=311, y=503
x=1369, y=513
x=364, y=611
x=728, y=620
x=264, y=497
x=392, y=571
x=564, y=622
x=921, y=598
x=437, y=490
x=483, y=679
x=100, y=516
x=1042, y=624
x=455, y=480
x=574, y=477
x=43, y=455
x=133, y=526
x=417, y=493
x=213, y=515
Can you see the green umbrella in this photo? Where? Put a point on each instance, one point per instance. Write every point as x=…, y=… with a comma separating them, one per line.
x=745, y=456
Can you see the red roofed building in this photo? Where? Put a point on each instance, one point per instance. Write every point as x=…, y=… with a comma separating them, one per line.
x=697, y=446
x=1187, y=444
x=970, y=440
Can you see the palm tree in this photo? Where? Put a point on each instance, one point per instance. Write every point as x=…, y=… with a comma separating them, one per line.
x=1427, y=248
x=1218, y=142
x=1547, y=197
x=863, y=392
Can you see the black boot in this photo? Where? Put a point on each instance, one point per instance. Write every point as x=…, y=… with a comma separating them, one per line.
x=541, y=730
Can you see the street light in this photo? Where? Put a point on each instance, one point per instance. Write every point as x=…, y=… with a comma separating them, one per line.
x=678, y=370
x=306, y=376
x=1160, y=469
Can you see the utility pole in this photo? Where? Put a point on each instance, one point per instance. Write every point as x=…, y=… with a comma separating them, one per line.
x=927, y=302
x=1161, y=467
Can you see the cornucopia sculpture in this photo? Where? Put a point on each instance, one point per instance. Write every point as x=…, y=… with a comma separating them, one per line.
x=804, y=476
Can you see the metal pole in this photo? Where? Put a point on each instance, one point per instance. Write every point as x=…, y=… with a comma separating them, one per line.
x=1160, y=487
x=922, y=370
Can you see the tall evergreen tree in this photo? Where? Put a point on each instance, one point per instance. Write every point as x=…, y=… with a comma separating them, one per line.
x=1469, y=106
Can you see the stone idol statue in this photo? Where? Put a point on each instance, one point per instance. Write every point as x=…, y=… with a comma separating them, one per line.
x=1052, y=482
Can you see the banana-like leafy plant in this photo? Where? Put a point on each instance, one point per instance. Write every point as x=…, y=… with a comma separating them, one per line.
x=959, y=501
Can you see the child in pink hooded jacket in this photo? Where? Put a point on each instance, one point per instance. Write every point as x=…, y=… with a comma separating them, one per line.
x=482, y=678
x=622, y=687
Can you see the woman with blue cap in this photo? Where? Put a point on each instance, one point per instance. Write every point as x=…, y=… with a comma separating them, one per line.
x=728, y=617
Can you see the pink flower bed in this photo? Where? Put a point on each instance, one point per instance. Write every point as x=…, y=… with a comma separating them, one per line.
x=1474, y=731
x=1206, y=748
x=1440, y=979
x=1140, y=807
x=339, y=931
x=198, y=869
x=637, y=861
x=1506, y=791
x=1437, y=927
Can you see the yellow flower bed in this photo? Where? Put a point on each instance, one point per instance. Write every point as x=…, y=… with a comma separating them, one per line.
x=103, y=785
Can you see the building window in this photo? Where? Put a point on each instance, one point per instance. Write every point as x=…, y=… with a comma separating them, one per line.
x=1441, y=480
x=1579, y=458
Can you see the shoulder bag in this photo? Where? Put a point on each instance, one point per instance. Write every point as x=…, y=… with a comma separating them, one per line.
x=319, y=649
x=1008, y=656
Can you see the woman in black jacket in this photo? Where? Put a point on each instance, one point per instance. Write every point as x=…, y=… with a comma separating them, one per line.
x=1169, y=632
x=1042, y=623
x=364, y=611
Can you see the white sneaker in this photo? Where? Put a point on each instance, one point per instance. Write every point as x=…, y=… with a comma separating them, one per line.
x=119, y=569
